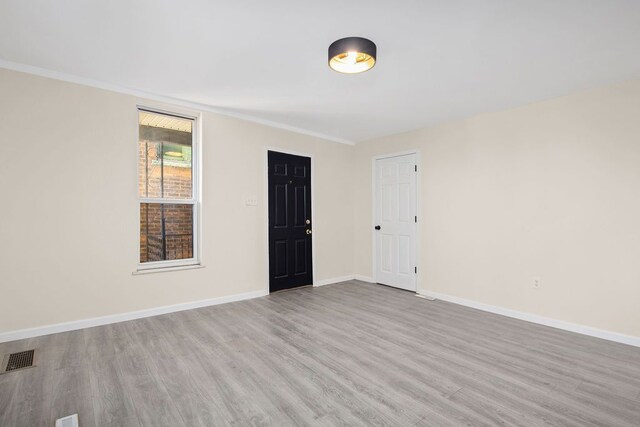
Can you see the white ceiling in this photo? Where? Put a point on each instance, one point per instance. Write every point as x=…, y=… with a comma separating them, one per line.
x=437, y=60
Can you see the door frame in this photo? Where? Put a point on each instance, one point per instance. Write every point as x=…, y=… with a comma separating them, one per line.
x=266, y=209
x=374, y=264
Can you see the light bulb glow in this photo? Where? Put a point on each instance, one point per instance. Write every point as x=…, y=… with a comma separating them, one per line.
x=352, y=62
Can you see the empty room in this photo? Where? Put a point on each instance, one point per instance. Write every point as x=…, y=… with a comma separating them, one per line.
x=330, y=213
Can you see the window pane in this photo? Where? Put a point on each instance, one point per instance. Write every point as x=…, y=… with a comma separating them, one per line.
x=166, y=232
x=165, y=156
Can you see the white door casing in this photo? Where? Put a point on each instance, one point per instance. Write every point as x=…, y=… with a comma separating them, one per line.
x=395, y=211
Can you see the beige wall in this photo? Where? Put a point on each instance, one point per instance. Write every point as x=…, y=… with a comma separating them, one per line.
x=550, y=190
x=69, y=215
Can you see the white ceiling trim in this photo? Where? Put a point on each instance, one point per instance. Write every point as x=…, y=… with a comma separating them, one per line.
x=43, y=72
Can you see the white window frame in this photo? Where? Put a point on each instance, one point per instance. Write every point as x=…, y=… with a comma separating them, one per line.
x=195, y=194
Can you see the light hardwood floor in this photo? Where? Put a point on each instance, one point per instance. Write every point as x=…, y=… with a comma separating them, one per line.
x=344, y=354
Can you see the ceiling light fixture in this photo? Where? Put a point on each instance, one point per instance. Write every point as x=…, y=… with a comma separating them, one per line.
x=352, y=55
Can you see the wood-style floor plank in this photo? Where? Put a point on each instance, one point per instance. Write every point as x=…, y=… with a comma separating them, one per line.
x=349, y=354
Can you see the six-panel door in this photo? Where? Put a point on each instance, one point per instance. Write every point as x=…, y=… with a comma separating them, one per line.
x=396, y=215
x=290, y=226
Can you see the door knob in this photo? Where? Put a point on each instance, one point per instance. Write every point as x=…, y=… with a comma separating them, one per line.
x=377, y=227
x=308, y=231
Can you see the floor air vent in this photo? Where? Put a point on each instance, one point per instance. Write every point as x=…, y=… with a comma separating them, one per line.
x=16, y=361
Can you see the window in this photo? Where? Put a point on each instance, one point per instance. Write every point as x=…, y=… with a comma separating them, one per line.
x=167, y=189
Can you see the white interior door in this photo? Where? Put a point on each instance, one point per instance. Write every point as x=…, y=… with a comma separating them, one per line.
x=395, y=221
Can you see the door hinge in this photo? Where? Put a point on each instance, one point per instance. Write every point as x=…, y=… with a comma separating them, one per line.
x=415, y=269
x=416, y=218
x=416, y=167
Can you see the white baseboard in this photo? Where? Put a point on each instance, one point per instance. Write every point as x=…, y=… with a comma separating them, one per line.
x=122, y=317
x=343, y=279
x=534, y=318
x=333, y=280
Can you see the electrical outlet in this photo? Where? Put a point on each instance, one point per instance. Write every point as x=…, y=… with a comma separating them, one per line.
x=536, y=282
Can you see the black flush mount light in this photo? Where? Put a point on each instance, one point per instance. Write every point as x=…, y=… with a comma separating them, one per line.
x=352, y=55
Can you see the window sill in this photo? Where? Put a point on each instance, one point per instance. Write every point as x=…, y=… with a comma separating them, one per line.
x=167, y=269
